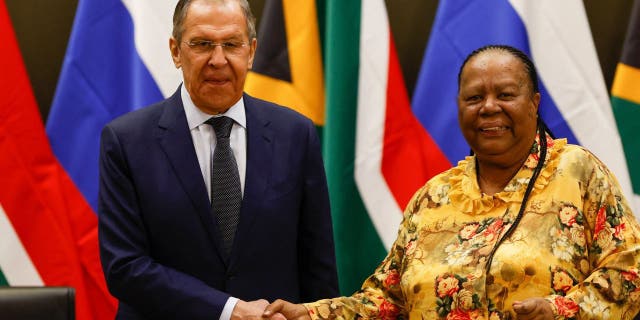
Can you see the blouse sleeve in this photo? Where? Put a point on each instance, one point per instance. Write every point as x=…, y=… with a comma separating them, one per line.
x=380, y=296
x=612, y=289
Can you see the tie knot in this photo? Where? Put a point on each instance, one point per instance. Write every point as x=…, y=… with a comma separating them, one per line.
x=221, y=125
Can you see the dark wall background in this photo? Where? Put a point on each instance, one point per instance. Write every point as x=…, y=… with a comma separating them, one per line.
x=43, y=28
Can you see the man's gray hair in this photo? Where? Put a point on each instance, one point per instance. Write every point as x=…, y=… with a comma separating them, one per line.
x=180, y=13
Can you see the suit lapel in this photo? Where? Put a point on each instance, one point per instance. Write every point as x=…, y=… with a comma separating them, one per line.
x=175, y=140
x=259, y=159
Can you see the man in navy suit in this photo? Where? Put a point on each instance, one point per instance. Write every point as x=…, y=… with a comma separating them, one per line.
x=162, y=250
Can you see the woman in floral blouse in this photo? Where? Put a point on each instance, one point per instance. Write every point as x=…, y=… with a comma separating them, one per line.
x=527, y=228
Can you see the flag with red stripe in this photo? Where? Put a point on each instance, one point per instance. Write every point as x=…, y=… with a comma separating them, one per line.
x=556, y=35
x=48, y=231
x=376, y=152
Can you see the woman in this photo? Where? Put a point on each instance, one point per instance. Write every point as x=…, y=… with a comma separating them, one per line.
x=526, y=228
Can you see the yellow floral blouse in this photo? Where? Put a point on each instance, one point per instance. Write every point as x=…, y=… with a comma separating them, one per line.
x=577, y=245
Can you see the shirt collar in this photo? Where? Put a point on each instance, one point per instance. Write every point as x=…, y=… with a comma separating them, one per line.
x=196, y=117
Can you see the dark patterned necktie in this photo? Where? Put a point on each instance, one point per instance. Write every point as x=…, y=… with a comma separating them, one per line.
x=226, y=195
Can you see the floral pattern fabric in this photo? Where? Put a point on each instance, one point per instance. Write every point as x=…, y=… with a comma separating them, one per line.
x=577, y=245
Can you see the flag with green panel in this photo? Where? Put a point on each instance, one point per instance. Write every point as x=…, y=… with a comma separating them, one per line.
x=288, y=70
x=625, y=99
x=369, y=133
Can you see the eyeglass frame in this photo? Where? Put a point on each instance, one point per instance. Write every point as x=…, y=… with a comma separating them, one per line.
x=211, y=45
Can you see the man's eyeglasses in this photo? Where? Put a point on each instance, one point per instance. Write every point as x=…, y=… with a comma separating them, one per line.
x=206, y=46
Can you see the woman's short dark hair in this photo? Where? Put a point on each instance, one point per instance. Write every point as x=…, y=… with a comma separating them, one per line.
x=528, y=64
x=180, y=13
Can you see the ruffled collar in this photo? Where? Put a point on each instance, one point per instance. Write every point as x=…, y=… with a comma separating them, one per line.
x=465, y=193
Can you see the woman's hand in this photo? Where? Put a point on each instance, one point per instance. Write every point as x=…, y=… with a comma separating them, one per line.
x=533, y=309
x=289, y=310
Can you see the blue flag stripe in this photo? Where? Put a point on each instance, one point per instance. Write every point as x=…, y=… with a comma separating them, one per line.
x=460, y=27
x=102, y=77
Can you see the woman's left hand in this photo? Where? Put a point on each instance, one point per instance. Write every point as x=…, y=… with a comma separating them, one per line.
x=533, y=308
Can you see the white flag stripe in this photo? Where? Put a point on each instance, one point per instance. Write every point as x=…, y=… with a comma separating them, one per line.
x=14, y=260
x=565, y=55
x=372, y=97
x=152, y=22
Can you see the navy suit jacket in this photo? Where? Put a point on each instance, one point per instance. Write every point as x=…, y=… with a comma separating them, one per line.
x=159, y=242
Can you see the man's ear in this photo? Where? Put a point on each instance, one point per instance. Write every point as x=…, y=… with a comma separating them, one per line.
x=252, y=51
x=174, y=47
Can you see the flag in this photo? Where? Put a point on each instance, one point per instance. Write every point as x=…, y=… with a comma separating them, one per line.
x=625, y=99
x=48, y=231
x=287, y=67
x=556, y=35
x=375, y=151
x=117, y=60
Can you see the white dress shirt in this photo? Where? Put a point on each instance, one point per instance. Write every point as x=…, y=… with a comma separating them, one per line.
x=204, y=142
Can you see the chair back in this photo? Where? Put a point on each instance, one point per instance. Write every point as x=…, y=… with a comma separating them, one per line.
x=35, y=303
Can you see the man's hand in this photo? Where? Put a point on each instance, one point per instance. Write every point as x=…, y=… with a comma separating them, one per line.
x=289, y=310
x=533, y=309
x=249, y=310
x=252, y=310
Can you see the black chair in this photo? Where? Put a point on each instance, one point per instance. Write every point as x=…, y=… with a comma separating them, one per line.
x=36, y=303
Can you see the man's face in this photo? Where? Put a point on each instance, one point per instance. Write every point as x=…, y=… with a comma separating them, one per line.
x=497, y=109
x=214, y=76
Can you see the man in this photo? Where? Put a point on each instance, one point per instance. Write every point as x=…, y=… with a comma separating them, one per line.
x=171, y=245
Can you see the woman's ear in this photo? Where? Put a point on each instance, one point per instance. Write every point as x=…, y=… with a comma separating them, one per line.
x=536, y=100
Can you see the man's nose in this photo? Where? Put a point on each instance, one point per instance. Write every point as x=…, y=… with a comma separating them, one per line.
x=217, y=57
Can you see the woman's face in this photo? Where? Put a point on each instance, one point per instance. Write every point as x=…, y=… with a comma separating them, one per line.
x=497, y=109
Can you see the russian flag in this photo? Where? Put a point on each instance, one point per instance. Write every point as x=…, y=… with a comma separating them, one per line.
x=556, y=35
x=117, y=60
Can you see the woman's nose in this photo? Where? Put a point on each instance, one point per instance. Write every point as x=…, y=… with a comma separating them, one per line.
x=490, y=105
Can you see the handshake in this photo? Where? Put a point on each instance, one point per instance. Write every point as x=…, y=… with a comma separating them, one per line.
x=261, y=309
x=531, y=308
